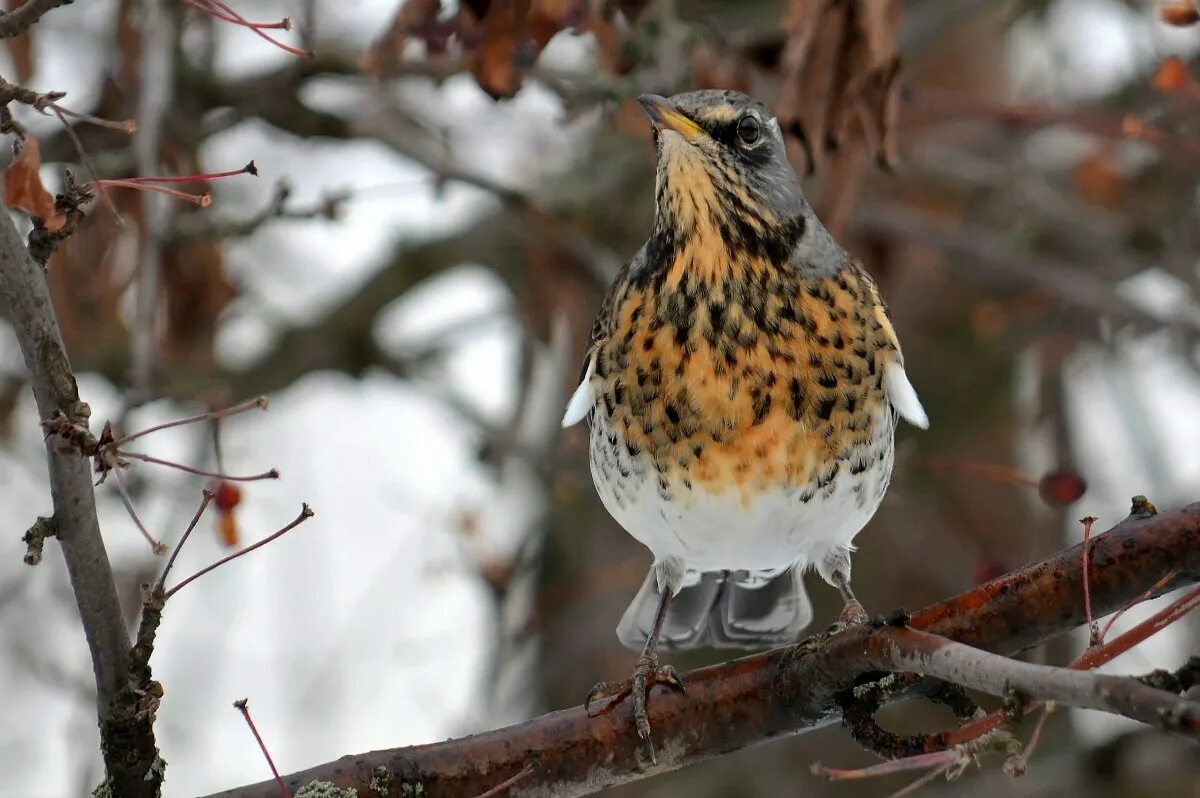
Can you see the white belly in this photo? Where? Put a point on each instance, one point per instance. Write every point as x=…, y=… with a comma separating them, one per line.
x=708, y=531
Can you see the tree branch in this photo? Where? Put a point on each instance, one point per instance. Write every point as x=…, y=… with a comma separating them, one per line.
x=781, y=692
x=17, y=21
x=124, y=739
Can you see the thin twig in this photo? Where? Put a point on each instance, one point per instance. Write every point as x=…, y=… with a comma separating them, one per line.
x=243, y=706
x=508, y=783
x=81, y=151
x=208, y=497
x=1147, y=593
x=260, y=401
x=1093, y=630
x=156, y=545
x=919, y=783
x=1018, y=765
x=271, y=474
x=305, y=513
x=1098, y=655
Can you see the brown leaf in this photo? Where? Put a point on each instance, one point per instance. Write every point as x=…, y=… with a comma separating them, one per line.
x=21, y=49
x=1171, y=76
x=23, y=186
x=496, y=66
x=839, y=66
x=1181, y=14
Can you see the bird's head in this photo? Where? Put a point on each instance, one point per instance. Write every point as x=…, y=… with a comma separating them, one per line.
x=722, y=162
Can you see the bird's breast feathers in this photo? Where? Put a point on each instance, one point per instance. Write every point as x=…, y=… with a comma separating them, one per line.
x=766, y=378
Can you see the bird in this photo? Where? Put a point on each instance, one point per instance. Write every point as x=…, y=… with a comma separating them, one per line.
x=742, y=385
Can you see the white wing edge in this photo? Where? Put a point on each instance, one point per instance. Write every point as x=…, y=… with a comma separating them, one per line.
x=903, y=396
x=584, y=398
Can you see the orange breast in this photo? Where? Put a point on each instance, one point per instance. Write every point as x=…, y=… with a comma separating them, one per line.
x=746, y=377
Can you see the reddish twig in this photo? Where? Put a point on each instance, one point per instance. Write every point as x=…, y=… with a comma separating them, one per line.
x=1018, y=764
x=1105, y=652
x=1093, y=631
x=283, y=24
x=216, y=7
x=207, y=497
x=145, y=458
x=260, y=402
x=243, y=706
x=305, y=513
x=1147, y=593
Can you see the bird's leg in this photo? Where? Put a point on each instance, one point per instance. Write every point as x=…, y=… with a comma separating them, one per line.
x=835, y=569
x=646, y=673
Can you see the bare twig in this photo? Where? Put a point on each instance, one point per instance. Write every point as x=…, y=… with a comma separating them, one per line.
x=1093, y=630
x=242, y=407
x=305, y=513
x=1154, y=589
x=921, y=782
x=145, y=458
x=508, y=783
x=243, y=706
x=204, y=501
x=155, y=544
x=1018, y=765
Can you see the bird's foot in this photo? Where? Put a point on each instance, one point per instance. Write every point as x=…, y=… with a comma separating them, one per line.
x=646, y=673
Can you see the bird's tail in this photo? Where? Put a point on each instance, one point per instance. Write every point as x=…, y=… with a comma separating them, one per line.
x=723, y=610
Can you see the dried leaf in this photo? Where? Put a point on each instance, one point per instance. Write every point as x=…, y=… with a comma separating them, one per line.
x=23, y=186
x=839, y=66
x=1181, y=14
x=1171, y=76
x=495, y=65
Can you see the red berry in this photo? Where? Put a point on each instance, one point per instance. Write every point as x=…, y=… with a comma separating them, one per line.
x=1060, y=488
x=228, y=496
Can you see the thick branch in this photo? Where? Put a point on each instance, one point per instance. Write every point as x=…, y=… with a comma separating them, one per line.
x=32, y=315
x=774, y=694
x=125, y=739
x=902, y=650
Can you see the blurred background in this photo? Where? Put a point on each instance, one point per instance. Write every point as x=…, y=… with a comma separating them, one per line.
x=444, y=191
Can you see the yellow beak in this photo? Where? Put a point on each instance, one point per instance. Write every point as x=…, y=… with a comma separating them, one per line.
x=665, y=116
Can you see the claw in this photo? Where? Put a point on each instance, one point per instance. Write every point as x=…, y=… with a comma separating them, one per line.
x=646, y=674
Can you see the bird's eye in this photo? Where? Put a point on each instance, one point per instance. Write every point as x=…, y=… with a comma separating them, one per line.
x=749, y=130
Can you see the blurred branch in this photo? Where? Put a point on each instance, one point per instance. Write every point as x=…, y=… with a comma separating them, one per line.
x=979, y=249
x=17, y=21
x=794, y=689
x=127, y=741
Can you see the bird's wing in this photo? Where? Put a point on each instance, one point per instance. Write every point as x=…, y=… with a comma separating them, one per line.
x=583, y=400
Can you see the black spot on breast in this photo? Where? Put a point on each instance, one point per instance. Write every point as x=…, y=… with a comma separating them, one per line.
x=762, y=406
x=673, y=414
x=825, y=409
